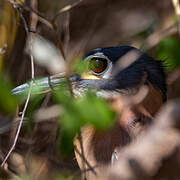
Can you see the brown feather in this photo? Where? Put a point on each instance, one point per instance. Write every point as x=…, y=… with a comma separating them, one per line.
x=132, y=119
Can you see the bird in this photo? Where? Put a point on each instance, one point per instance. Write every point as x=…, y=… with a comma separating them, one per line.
x=118, y=72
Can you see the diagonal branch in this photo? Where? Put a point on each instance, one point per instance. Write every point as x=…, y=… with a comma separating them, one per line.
x=85, y=160
x=66, y=8
x=176, y=5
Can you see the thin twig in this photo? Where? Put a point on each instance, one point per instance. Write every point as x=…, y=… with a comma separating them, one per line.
x=156, y=37
x=66, y=32
x=85, y=160
x=53, y=26
x=45, y=20
x=29, y=40
x=29, y=93
x=66, y=8
x=176, y=5
x=41, y=16
x=82, y=152
x=34, y=17
x=58, y=40
x=49, y=23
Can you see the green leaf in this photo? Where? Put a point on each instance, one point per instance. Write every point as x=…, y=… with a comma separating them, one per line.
x=80, y=66
x=95, y=111
x=8, y=102
x=78, y=112
x=169, y=50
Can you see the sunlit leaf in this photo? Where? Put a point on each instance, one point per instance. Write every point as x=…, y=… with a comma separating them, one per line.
x=169, y=50
x=78, y=112
x=79, y=66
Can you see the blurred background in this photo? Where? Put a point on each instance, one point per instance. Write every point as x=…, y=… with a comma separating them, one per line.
x=87, y=25
x=69, y=29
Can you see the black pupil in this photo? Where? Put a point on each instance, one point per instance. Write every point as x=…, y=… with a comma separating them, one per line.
x=98, y=65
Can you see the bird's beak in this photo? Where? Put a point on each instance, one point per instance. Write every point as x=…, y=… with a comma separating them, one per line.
x=47, y=84
x=44, y=85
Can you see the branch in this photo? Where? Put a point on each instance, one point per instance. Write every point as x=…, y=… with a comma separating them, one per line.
x=85, y=161
x=177, y=11
x=66, y=8
x=30, y=88
x=41, y=16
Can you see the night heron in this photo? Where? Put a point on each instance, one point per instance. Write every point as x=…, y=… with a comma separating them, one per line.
x=113, y=70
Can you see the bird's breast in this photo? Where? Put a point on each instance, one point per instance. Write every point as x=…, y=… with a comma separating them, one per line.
x=97, y=147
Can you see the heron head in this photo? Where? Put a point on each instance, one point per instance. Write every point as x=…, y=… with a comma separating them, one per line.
x=111, y=69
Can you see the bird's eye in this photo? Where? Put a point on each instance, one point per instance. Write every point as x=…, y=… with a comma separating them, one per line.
x=98, y=65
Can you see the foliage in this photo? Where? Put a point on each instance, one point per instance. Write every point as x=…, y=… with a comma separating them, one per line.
x=169, y=51
x=87, y=110
x=76, y=112
x=8, y=102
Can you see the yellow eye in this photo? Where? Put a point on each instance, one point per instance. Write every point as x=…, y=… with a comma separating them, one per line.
x=98, y=65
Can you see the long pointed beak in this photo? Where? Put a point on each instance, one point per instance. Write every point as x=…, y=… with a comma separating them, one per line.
x=44, y=85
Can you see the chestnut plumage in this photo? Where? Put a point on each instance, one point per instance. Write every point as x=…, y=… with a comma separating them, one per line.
x=122, y=70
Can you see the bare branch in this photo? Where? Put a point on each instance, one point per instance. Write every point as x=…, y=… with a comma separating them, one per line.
x=41, y=16
x=66, y=8
x=85, y=160
x=157, y=36
x=82, y=152
x=177, y=11
x=29, y=93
